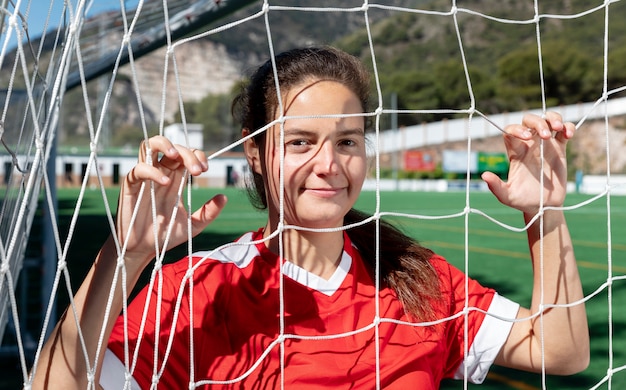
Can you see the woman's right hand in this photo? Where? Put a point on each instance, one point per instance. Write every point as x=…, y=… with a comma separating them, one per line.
x=166, y=173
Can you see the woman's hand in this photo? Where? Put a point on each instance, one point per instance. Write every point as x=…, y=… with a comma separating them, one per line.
x=76, y=339
x=166, y=173
x=523, y=143
x=558, y=340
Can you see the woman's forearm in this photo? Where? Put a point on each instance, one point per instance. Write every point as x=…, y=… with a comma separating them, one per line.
x=62, y=363
x=563, y=331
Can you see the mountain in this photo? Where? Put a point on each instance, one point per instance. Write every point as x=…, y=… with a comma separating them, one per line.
x=419, y=59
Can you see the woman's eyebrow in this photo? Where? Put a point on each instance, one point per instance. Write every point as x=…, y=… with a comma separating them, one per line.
x=300, y=132
x=352, y=131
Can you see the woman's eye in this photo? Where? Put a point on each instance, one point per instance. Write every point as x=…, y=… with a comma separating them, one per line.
x=297, y=142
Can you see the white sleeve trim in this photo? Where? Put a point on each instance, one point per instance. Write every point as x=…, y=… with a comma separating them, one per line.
x=490, y=338
x=114, y=374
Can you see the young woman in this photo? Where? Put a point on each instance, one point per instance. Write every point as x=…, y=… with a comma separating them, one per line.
x=323, y=323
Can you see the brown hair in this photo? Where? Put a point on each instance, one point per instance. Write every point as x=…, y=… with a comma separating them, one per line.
x=404, y=264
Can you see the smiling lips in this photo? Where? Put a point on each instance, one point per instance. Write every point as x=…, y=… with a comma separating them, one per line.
x=325, y=192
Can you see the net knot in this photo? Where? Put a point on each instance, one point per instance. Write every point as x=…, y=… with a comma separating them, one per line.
x=61, y=265
x=4, y=268
x=126, y=38
x=72, y=29
x=13, y=21
x=120, y=261
x=39, y=143
x=266, y=7
x=93, y=147
x=91, y=376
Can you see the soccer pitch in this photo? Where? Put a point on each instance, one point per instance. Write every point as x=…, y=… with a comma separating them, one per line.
x=497, y=257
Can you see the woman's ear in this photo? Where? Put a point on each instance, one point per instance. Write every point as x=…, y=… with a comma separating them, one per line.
x=251, y=149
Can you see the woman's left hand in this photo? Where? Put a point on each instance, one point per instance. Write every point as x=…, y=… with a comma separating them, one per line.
x=523, y=143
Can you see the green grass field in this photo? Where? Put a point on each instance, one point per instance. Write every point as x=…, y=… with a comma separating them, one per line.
x=497, y=257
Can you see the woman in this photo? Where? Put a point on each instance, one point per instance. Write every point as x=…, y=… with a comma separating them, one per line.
x=253, y=328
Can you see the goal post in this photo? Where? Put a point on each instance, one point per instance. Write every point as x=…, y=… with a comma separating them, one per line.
x=185, y=18
x=28, y=125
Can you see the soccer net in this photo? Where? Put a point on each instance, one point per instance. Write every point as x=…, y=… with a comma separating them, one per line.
x=105, y=45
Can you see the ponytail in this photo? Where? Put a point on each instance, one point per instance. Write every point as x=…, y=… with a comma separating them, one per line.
x=404, y=264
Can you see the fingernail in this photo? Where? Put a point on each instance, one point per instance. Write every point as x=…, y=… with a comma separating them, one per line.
x=196, y=168
x=164, y=179
x=546, y=133
x=527, y=134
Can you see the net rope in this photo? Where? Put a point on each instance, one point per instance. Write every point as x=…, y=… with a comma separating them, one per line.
x=30, y=148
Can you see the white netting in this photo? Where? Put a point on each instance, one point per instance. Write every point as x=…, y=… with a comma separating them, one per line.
x=34, y=82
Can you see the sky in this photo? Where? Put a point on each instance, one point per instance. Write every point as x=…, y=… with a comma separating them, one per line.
x=38, y=11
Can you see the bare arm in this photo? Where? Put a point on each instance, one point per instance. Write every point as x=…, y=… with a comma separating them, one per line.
x=63, y=361
x=560, y=335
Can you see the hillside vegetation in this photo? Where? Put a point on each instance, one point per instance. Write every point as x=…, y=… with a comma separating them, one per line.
x=419, y=57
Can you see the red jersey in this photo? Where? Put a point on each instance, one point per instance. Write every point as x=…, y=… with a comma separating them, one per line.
x=330, y=336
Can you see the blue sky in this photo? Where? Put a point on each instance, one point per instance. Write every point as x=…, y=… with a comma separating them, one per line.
x=39, y=10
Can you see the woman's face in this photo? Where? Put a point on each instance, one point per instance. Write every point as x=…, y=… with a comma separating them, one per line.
x=324, y=158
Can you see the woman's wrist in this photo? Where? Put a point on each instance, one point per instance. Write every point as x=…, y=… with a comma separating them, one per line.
x=134, y=263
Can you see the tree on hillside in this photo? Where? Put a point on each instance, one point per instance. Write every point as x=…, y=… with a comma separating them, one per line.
x=616, y=68
x=518, y=85
x=569, y=76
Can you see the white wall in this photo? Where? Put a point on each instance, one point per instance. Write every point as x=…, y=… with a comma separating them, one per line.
x=591, y=185
x=215, y=177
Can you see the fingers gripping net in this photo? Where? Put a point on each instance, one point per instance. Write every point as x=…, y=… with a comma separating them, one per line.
x=33, y=96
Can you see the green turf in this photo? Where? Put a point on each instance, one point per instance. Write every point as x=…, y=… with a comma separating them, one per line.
x=497, y=257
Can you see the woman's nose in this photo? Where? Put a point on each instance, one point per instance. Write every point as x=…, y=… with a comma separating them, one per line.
x=326, y=159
